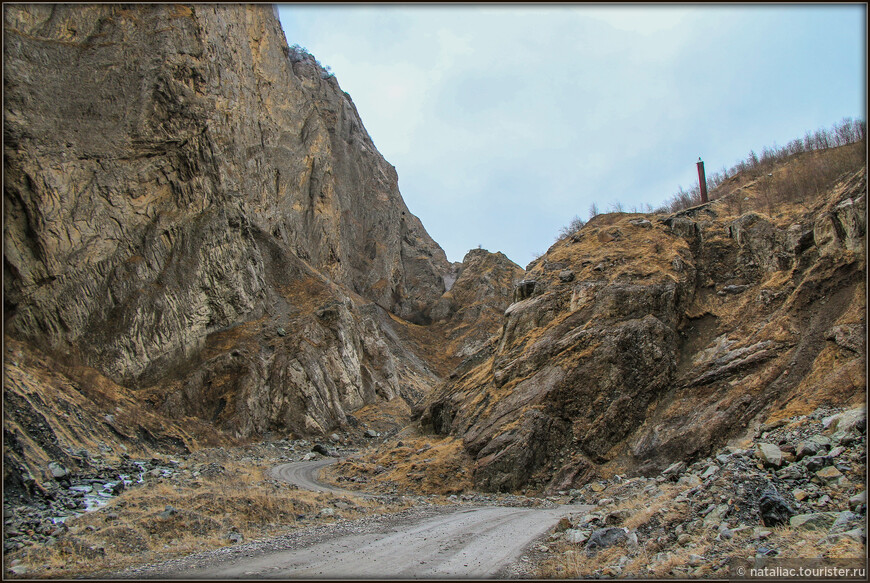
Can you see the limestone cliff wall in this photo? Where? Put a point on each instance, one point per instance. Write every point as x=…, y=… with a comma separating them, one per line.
x=154, y=153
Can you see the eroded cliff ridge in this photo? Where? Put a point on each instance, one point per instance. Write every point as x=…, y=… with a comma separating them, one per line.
x=196, y=216
x=157, y=157
x=641, y=340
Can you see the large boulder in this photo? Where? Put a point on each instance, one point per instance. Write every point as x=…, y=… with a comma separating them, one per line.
x=773, y=508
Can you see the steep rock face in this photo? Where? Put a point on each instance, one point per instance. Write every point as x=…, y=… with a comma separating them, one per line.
x=316, y=356
x=470, y=311
x=465, y=321
x=639, y=341
x=518, y=409
x=195, y=215
x=149, y=152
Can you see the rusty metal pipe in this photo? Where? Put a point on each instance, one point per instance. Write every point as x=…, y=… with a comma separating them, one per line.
x=702, y=180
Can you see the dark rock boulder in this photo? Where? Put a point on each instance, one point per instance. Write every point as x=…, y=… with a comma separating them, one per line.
x=773, y=508
x=605, y=537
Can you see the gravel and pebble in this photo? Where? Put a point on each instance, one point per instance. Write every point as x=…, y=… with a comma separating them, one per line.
x=806, y=472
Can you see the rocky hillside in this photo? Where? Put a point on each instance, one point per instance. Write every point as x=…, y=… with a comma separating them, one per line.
x=793, y=489
x=641, y=340
x=202, y=246
x=201, y=240
x=151, y=187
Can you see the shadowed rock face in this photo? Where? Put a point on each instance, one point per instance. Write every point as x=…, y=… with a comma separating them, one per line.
x=632, y=344
x=471, y=311
x=196, y=212
x=154, y=154
x=202, y=242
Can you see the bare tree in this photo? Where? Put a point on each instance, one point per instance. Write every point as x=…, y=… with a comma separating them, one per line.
x=575, y=225
x=593, y=210
x=812, y=175
x=822, y=139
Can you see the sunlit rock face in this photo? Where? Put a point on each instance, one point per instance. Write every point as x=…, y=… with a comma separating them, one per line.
x=180, y=187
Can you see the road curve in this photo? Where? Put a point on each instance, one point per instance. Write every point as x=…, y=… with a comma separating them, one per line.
x=305, y=475
x=449, y=542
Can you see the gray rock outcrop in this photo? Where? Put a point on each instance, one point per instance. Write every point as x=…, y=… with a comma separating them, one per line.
x=638, y=361
x=195, y=208
x=156, y=155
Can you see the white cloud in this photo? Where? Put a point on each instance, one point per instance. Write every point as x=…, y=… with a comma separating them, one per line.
x=639, y=19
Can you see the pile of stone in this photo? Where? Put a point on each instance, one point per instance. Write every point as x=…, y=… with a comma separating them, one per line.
x=39, y=519
x=806, y=473
x=512, y=500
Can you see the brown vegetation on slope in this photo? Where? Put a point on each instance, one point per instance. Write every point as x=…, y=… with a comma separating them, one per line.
x=648, y=339
x=804, y=168
x=410, y=463
x=216, y=498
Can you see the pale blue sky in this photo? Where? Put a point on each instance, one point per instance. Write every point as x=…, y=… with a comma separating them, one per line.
x=504, y=122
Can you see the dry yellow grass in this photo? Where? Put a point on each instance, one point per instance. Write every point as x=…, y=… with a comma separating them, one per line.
x=385, y=415
x=421, y=465
x=134, y=529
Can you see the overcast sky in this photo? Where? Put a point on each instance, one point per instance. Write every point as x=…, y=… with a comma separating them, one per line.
x=504, y=122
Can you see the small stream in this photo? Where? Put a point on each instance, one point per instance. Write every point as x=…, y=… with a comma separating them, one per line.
x=96, y=492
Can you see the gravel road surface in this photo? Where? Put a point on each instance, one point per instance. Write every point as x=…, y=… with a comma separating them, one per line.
x=305, y=475
x=432, y=542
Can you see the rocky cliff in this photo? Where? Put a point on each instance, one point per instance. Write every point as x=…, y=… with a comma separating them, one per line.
x=156, y=155
x=195, y=215
x=202, y=245
x=641, y=340
x=471, y=310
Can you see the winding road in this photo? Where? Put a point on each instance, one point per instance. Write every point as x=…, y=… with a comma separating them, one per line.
x=305, y=476
x=449, y=542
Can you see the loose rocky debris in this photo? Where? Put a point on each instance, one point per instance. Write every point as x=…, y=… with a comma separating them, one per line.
x=41, y=518
x=796, y=491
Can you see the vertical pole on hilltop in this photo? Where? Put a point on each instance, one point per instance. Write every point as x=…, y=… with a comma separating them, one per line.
x=702, y=180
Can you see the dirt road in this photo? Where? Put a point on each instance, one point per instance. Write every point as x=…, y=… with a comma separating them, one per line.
x=437, y=542
x=456, y=542
x=304, y=475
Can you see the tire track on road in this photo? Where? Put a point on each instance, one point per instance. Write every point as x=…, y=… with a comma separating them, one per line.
x=457, y=541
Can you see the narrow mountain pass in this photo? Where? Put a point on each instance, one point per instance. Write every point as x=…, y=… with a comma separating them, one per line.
x=435, y=541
